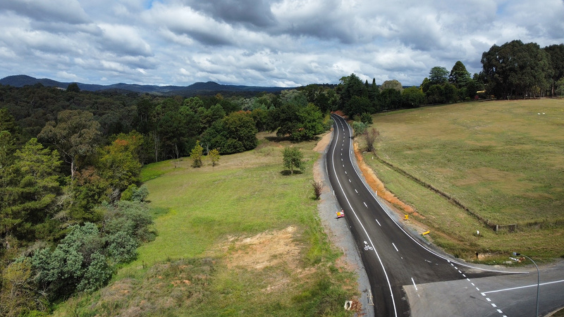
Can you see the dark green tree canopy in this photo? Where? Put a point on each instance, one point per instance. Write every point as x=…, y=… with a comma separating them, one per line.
x=515, y=69
x=459, y=76
x=438, y=75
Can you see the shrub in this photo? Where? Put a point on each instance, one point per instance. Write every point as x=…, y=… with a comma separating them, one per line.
x=317, y=186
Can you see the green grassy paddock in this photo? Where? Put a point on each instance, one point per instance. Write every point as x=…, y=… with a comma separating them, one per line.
x=196, y=212
x=501, y=159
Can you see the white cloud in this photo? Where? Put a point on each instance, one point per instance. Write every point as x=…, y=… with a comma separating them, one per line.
x=261, y=42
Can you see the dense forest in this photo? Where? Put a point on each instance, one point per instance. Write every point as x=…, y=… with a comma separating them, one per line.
x=72, y=202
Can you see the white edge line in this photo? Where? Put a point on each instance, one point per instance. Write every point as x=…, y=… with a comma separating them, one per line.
x=520, y=287
x=414, y=283
x=368, y=237
x=428, y=250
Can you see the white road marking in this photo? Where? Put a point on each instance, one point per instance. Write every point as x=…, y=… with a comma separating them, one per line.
x=479, y=290
x=414, y=283
x=472, y=284
x=489, y=300
x=468, y=279
x=345, y=172
x=377, y=255
x=482, y=293
x=499, y=311
x=494, y=305
x=459, y=272
x=463, y=275
x=350, y=180
x=526, y=286
x=356, y=190
x=365, y=205
x=378, y=222
x=395, y=247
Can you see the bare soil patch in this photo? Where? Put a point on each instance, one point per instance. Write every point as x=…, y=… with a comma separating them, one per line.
x=263, y=250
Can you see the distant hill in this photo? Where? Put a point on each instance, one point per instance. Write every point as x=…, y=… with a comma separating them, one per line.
x=196, y=88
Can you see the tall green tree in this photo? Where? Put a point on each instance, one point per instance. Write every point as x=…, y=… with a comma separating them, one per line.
x=556, y=59
x=118, y=163
x=515, y=69
x=438, y=75
x=459, y=76
x=31, y=191
x=75, y=134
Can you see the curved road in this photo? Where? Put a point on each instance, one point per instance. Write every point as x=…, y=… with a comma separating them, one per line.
x=392, y=258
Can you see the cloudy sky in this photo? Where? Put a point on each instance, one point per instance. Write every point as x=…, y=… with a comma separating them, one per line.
x=261, y=42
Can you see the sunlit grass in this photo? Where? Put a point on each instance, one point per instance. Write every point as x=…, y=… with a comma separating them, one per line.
x=501, y=159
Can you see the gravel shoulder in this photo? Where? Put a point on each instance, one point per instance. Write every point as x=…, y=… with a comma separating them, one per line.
x=337, y=229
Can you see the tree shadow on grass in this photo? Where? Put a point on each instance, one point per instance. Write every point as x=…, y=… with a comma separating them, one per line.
x=288, y=172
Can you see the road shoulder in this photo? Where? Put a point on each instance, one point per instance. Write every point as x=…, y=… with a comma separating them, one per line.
x=337, y=229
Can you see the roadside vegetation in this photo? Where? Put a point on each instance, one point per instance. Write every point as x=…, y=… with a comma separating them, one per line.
x=240, y=238
x=503, y=160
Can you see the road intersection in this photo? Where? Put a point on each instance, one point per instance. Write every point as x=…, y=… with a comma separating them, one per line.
x=408, y=277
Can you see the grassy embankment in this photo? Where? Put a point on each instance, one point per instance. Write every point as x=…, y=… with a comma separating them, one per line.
x=501, y=159
x=238, y=239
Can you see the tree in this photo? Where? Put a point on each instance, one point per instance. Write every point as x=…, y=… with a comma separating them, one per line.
x=73, y=87
x=556, y=59
x=560, y=89
x=370, y=137
x=292, y=158
x=358, y=105
x=214, y=157
x=196, y=155
x=438, y=75
x=459, y=76
x=514, y=68
x=425, y=85
x=351, y=86
x=75, y=135
x=32, y=190
x=118, y=163
x=449, y=91
x=412, y=97
x=391, y=84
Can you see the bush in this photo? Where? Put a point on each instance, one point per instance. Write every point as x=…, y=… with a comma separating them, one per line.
x=359, y=127
x=76, y=263
x=122, y=248
x=140, y=194
x=366, y=118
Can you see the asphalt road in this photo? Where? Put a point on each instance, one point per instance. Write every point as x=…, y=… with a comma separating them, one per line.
x=392, y=257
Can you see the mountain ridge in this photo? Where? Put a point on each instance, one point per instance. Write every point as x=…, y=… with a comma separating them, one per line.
x=24, y=80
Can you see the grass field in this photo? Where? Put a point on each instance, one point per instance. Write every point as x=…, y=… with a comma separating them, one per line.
x=240, y=239
x=501, y=159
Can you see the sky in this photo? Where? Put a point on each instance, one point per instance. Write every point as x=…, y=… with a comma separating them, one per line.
x=261, y=42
